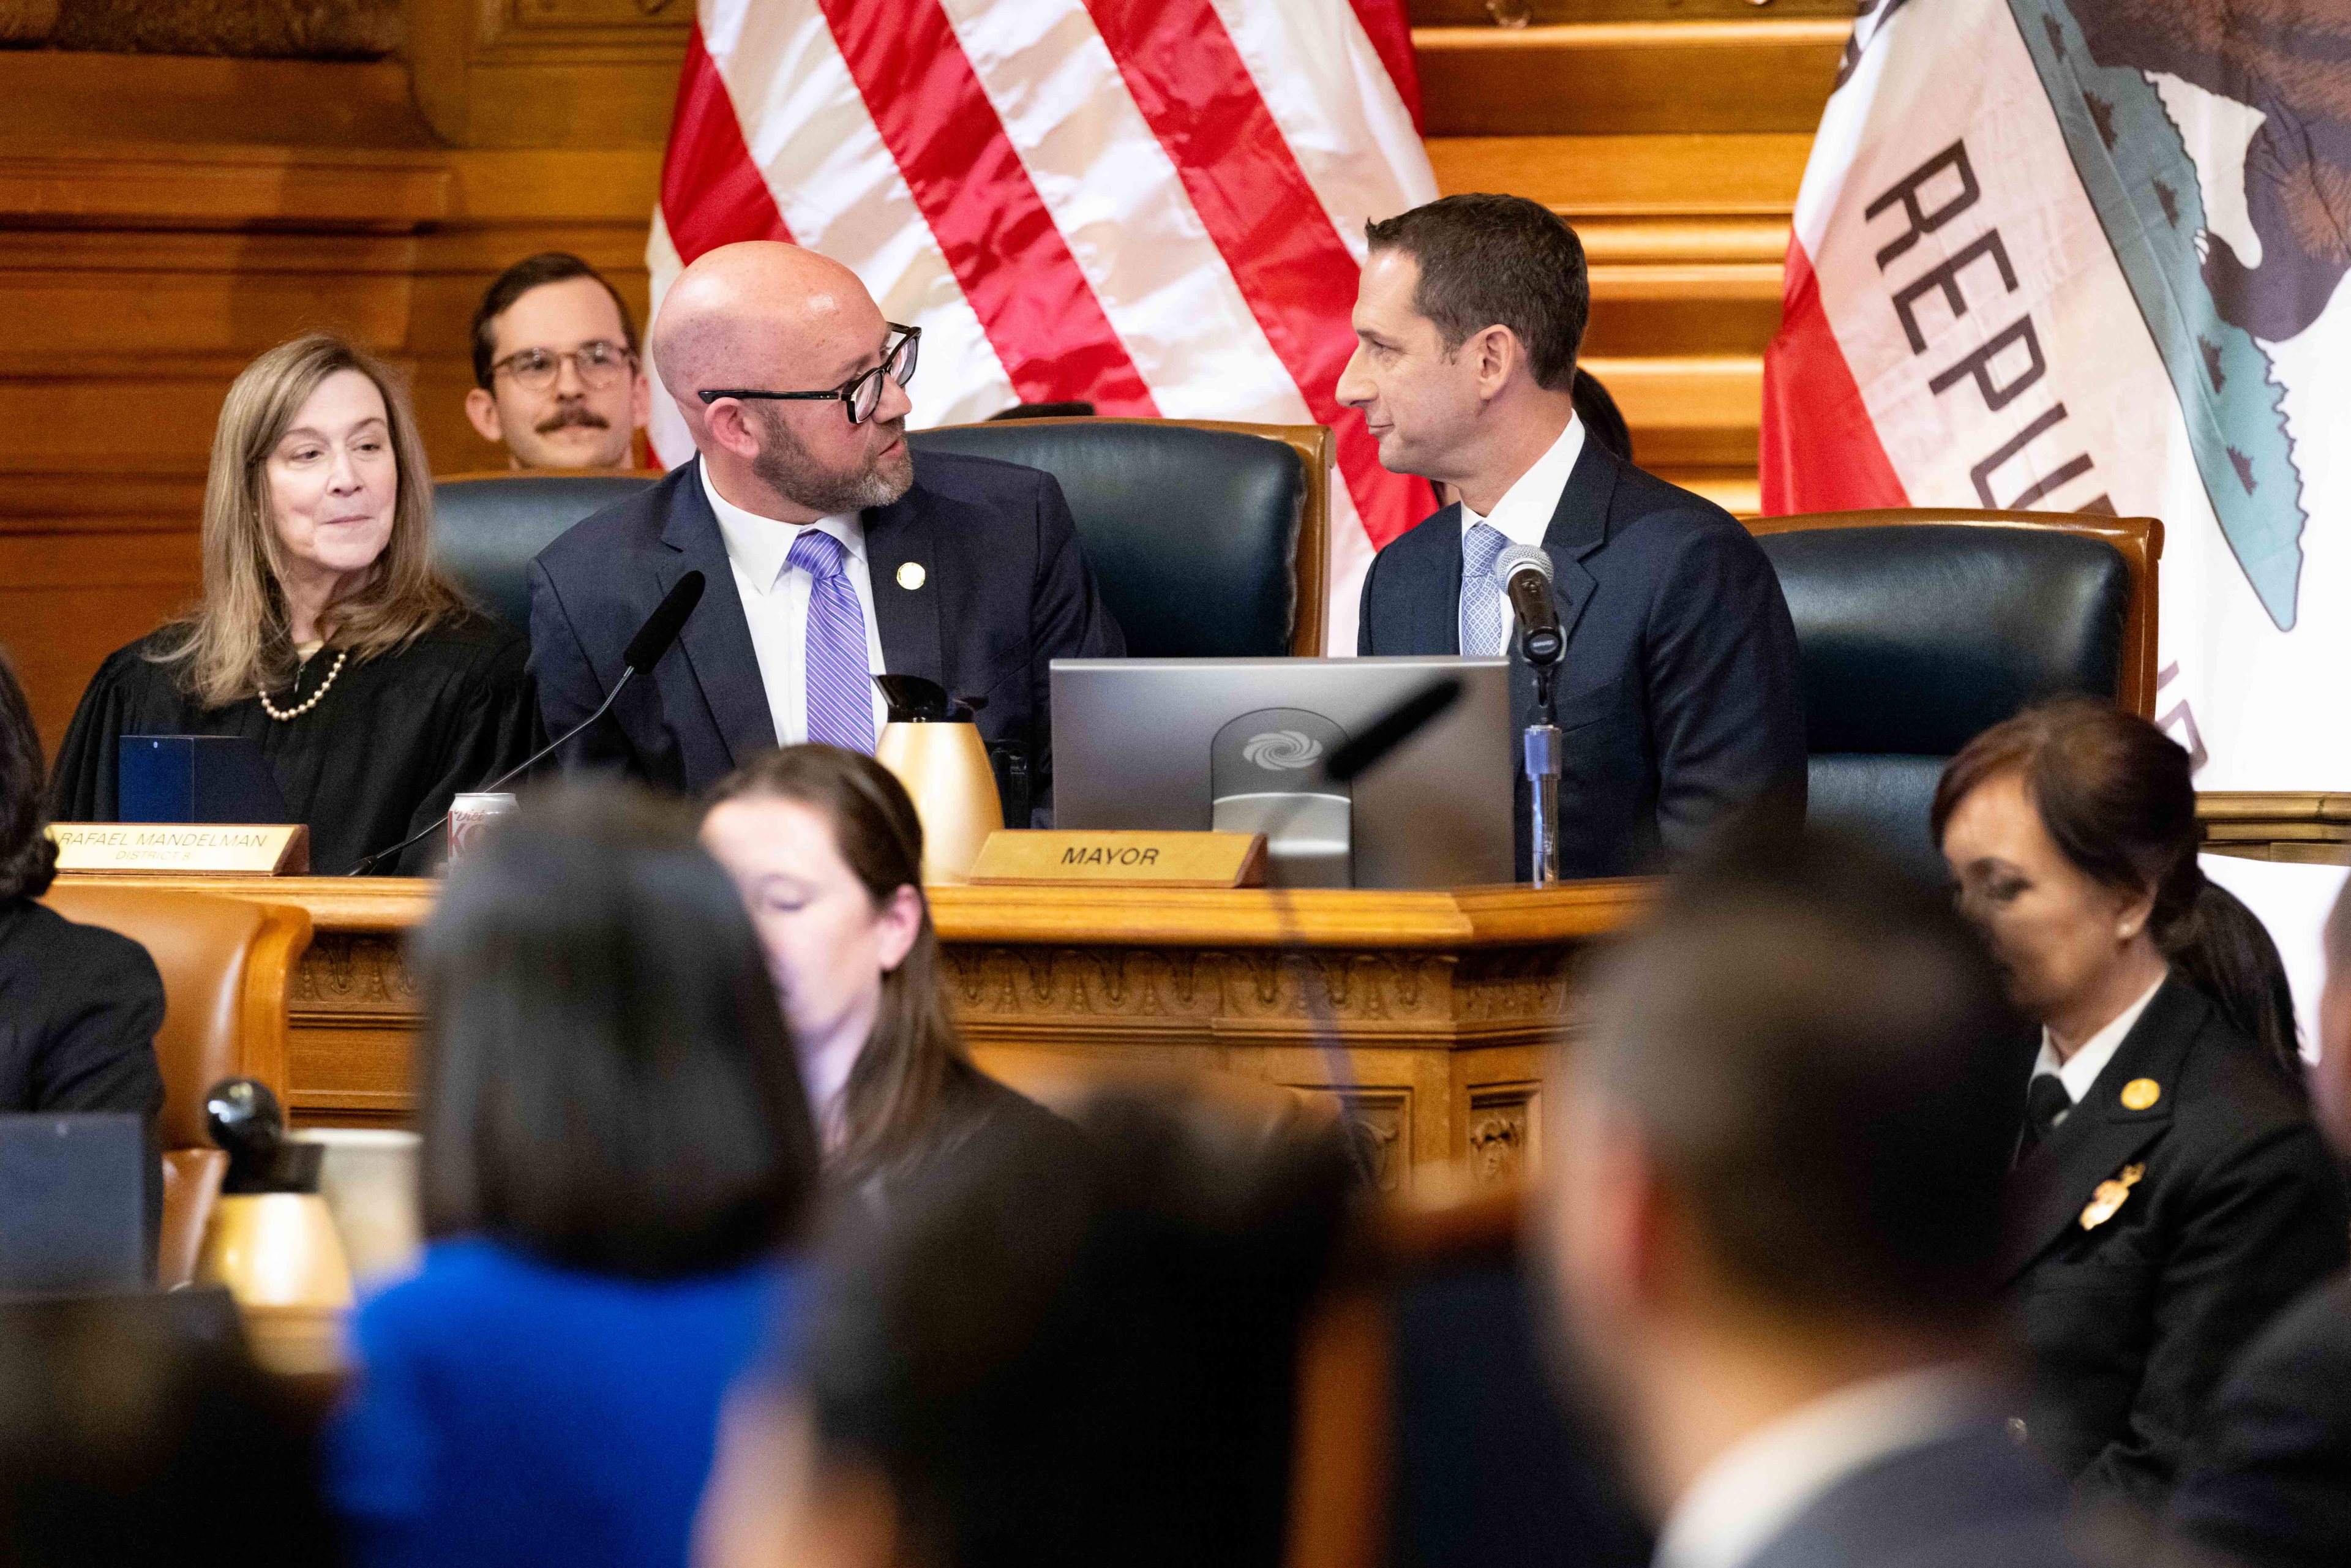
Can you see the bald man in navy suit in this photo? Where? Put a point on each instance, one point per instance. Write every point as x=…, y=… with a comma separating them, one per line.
x=831, y=553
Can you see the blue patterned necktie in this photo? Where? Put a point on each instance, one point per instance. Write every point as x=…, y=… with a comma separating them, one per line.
x=840, y=685
x=1482, y=633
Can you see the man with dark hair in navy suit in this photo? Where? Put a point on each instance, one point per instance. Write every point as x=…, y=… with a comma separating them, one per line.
x=1774, y=1183
x=1679, y=689
x=830, y=552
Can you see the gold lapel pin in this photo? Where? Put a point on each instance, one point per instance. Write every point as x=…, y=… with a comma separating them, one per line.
x=910, y=575
x=2108, y=1201
x=2141, y=1092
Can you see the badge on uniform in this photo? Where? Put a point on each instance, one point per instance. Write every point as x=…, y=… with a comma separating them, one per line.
x=2108, y=1201
x=911, y=576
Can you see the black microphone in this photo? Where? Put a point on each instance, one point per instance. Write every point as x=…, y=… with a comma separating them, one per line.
x=644, y=652
x=1525, y=572
x=1364, y=752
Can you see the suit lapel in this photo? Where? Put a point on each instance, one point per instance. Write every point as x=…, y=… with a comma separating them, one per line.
x=1578, y=525
x=2101, y=1134
x=718, y=636
x=1429, y=583
x=898, y=535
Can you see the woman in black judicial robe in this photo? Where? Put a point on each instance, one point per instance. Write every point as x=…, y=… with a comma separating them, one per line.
x=325, y=633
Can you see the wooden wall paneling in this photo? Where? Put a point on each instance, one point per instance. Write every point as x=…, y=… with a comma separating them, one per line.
x=1620, y=77
x=547, y=73
x=1544, y=12
x=65, y=599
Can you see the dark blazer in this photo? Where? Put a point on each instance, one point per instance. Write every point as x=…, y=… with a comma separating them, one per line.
x=1969, y=1500
x=2271, y=1485
x=2238, y=1209
x=1005, y=592
x=79, y=1010
x=1678, y=693
x=79, y=1006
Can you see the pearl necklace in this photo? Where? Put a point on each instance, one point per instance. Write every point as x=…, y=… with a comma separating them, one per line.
x=293, y=714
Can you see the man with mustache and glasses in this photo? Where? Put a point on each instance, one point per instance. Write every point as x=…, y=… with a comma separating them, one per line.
x=831, y=552
x=559, y=382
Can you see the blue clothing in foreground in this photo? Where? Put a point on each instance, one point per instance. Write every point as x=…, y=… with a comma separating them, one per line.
x=507, y=1411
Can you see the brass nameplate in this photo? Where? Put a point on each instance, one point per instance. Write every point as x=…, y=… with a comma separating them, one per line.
x=184, y=848
x=1024, y=858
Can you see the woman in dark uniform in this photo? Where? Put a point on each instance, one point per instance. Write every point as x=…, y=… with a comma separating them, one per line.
x=325, y=633
x=2170, y=1191
x=827, y=851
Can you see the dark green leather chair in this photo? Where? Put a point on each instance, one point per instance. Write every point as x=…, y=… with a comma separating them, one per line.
x=1920, y=628
x=1207, y=539
x=486, y=527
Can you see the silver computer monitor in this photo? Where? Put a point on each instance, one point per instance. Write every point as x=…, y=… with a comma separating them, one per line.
x=1239, y=744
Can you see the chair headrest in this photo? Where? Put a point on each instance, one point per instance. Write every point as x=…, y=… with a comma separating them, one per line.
x=1192, y=534
x=1915, y=638
x=487, y=530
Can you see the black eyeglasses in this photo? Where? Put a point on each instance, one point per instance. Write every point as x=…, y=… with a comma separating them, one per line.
x=863, y=392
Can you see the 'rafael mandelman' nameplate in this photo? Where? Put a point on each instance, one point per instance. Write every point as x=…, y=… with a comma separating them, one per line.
x=184, y=848
x=1038, y=859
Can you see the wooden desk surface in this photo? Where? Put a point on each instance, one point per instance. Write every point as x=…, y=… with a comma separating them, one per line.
x=1440, y=1002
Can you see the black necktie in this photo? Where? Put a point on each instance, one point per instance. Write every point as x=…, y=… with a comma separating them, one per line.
x=2045, y=1102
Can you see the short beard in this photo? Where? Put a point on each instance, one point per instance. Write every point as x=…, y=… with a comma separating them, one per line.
x=787, y=466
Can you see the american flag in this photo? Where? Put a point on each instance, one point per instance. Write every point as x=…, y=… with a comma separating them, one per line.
x=1154, y=205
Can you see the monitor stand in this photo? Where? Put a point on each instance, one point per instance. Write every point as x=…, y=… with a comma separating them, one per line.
x=1266, y=776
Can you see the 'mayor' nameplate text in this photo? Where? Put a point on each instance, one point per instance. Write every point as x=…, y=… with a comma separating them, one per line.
x=184, y=848
x=1156, y=860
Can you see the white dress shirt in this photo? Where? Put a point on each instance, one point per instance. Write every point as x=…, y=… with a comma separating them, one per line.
x=1760, y=1485
x=776, y=599
x=2081, y=1070
x=1524, y=514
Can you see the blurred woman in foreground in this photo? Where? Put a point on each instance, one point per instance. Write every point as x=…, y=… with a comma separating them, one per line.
x=615, y=1144
x=2171, y=1191
x=827, y=852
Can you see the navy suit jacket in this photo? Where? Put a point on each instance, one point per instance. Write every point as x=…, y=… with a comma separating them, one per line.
x=1678, y=693
x=1970, y=1499
x=1005, y=591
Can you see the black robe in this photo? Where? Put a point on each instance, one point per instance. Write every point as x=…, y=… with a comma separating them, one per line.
x=379, y=758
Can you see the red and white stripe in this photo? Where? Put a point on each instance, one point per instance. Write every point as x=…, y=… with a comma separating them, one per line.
x=1155, y=205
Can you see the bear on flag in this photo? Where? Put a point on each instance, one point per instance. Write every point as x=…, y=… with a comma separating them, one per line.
x=2088, y=255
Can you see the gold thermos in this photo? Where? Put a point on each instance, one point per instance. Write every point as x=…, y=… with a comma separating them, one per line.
x=934, y=748
x=275, y=1250
x=271, y=1239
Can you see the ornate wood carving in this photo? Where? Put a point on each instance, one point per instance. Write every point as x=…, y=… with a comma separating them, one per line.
x=1503, y=1133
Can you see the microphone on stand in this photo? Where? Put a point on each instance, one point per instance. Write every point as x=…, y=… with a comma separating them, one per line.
x=644, y=652
x=1525, y=572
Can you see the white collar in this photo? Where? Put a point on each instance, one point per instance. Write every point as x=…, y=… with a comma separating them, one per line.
x=2079, y=1071
x=1523, y=515
x=759, y=546
x=1760, y=1485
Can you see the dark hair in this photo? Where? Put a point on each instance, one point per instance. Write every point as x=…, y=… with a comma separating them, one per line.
x=1806, y=1035
x=127, y=1437
x=915, y=1051
x=1488, y=261
x=1052, y=1343
x=607, y=1080
x=28, y=861
x=534, y=272
x=1601, y=416
x=2117, y=799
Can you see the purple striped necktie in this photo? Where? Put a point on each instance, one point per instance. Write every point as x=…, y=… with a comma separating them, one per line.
x=840, y=685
